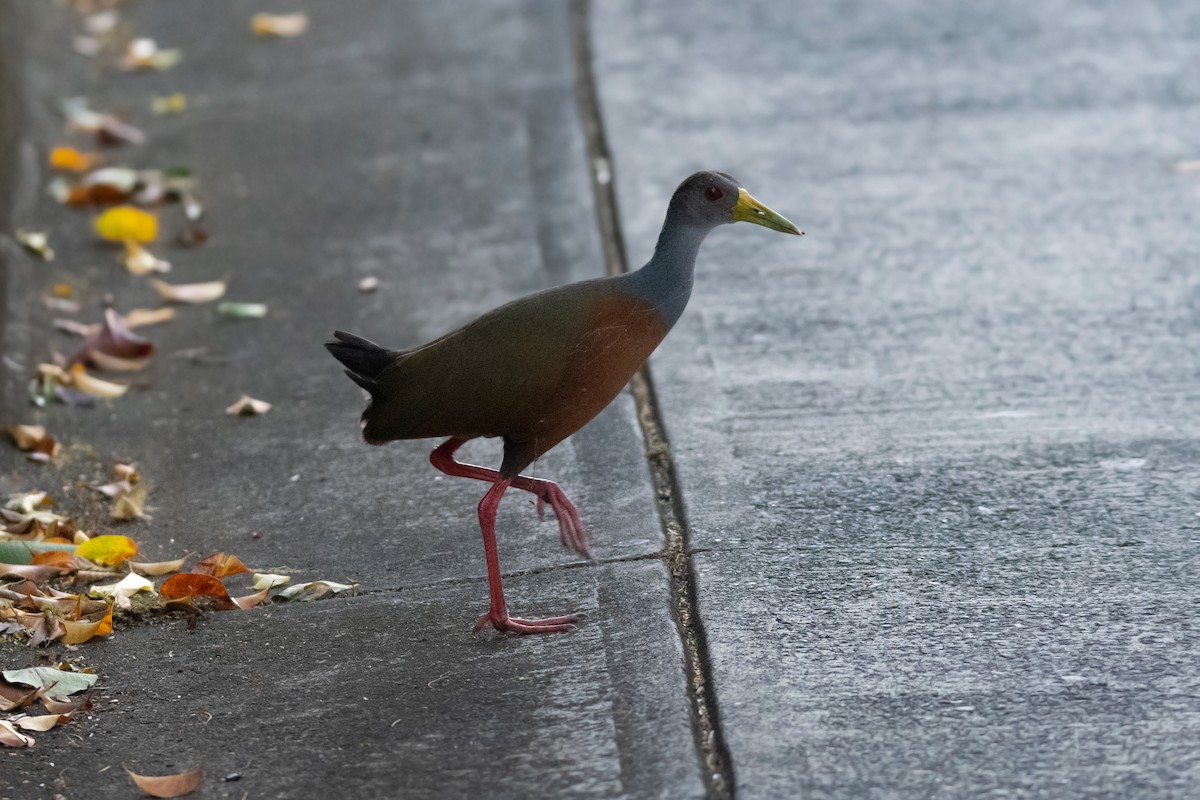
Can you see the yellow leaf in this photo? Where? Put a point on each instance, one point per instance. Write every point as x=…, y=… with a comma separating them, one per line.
x=126, y=222
x=94, y=386
x=107, y=549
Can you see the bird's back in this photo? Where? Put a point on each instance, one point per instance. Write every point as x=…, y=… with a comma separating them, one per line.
x=533, y=371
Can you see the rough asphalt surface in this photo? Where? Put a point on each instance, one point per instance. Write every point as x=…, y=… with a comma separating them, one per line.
x=938, y=458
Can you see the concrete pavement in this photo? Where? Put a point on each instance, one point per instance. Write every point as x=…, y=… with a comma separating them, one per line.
x=937, y=459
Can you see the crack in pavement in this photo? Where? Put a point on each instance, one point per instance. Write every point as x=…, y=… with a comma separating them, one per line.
x=717, y=772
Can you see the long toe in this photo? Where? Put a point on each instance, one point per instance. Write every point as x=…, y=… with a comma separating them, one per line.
x=518, y=625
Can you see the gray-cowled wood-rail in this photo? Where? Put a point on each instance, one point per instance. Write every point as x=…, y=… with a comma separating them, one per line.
x=538, y=369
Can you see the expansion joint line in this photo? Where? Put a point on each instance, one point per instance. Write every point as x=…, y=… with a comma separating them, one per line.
x=710, y=742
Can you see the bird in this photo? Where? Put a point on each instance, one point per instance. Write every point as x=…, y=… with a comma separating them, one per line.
x=539, y=368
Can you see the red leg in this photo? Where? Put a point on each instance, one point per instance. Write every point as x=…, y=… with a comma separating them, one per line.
x=570, y=526
x=498, y=610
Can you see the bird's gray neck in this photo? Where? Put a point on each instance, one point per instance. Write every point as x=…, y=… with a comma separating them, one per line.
x=666, y=279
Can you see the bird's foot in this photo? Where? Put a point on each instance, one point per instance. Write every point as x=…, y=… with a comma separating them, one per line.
x=570, y=526
x=507, y=624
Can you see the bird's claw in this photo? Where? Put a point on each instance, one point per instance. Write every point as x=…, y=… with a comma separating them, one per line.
x=506, y=624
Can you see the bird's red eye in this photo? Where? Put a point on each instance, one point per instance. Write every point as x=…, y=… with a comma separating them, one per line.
x=713, y=194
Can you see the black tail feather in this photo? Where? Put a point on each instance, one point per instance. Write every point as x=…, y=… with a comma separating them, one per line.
x=364, y=361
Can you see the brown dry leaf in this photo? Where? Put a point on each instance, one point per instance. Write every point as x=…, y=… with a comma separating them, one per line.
x=140, y=317
x=282, y=25
x=113, y=345
x=140, y=261
x=126, y=472
x=220, y=565
x=67, y=706
x=131, y=505
x=41, y=723
x=192, y=293
x=80, y=631
x=168, y=785
x=16, y=696
x=156, y=568
x=251, y=600
x=36, y=573
x=247, y=406
x=33, y=440
x=41, y=627
x=10, y=736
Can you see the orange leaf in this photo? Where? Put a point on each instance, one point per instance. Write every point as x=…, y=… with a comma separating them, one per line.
x=220, y=565
x=168, y=785
x=58, y=558
x=190, y=584
x=69, y=158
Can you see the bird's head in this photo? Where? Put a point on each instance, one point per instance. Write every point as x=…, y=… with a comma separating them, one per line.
x=714, y=198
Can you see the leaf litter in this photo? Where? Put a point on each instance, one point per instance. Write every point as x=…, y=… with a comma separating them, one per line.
x=59, y=582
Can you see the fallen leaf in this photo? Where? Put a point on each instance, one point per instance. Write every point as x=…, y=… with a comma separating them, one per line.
x=242, y=310
x=171, y=104
x=251, y=600
x=107, y=128
x=51, y=681
x=36, y=242
x=70, y=159
x=156, y=568
x=41, y=723
x=55, y=558
x=114, y=346
x=168, y=785
x=33, y=439
x=313, y=591
x=106, y=186
x=12, y=552
x=16, y=696
x=95, y=387
x=123, y=590
x=140, y=317
x=109, y=549
x=368, y=284
x=67, y=705
x=145, y=53
x=131, y=505
x=279, y=24
x=220, y=565
x=38, y=573
x=193, y=293
x=10, y=736
x=266, y=580
x=247, y=406
x=114, y=489
x=126, y=222
x=186, y=585
x=80, y=631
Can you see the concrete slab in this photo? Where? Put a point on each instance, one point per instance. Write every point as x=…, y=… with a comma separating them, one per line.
x=939, y=456
x=442, y=154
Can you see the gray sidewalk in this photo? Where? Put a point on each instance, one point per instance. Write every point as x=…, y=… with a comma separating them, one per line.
x=938, y=458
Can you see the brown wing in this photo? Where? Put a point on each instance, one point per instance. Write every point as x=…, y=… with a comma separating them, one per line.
x=504, y=373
